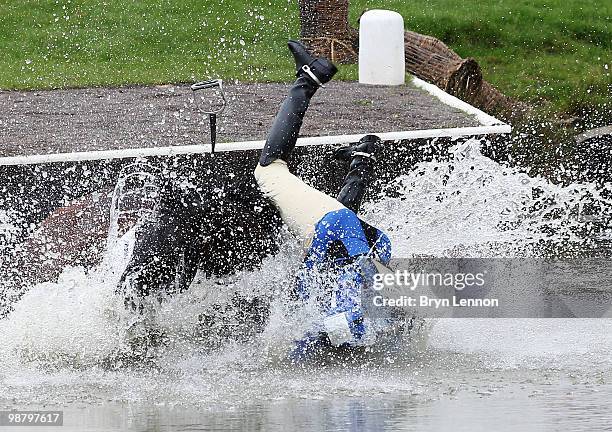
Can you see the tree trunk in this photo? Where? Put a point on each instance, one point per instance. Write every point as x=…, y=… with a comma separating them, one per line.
x=325, y=29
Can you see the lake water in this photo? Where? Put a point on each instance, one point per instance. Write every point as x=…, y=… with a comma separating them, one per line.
x=459, y=374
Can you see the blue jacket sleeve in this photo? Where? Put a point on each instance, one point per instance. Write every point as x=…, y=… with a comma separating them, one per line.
x=382, y=247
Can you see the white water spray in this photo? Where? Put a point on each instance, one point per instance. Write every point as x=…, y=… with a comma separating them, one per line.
x=466, y=206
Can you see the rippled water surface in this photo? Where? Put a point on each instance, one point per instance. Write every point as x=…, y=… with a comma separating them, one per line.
x=459, y=374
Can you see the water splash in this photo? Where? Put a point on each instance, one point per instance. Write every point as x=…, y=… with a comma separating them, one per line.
x=8, y=228
x=136, y=196
x=467, y=205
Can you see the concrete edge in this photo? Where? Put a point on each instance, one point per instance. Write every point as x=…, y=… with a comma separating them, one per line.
x=452, y=101
x=249, y=145
x=593, y=133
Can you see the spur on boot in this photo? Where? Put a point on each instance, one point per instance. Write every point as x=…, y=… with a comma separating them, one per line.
x=366, y=147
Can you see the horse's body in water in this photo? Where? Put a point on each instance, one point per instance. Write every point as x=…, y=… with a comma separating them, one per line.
x=217, y=227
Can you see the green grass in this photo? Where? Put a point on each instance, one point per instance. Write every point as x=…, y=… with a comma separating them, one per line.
x=46, y=44
x=537, y=50
x=541, y=51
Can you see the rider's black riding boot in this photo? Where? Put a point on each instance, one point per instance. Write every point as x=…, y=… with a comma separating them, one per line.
x=311, y=74
x=360, y=171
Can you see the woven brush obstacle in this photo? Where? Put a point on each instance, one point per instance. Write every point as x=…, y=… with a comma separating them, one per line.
x=326, y=31
x=432, y=60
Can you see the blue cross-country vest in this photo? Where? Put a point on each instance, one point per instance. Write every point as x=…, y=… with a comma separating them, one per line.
x=341, y=241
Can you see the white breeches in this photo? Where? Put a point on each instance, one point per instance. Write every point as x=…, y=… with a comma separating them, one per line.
x=300, y=205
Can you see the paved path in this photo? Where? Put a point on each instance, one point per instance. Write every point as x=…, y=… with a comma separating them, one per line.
x=58, y=121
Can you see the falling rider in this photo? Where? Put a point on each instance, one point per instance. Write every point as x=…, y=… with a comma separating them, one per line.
x=184, y=236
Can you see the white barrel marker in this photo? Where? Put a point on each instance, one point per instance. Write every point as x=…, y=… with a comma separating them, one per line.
x=381, y=48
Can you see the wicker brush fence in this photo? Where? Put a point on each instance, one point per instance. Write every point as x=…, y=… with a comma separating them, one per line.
x=326, y=31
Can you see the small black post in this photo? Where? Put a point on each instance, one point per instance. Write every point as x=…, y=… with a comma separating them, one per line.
x=213, y=131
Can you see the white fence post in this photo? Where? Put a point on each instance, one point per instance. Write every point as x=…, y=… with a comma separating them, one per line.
x=381, y=48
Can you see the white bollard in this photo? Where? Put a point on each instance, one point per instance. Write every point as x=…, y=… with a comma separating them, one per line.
x=381, y=48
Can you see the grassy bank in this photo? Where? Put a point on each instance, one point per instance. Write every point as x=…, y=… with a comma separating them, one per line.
x=544, y=51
